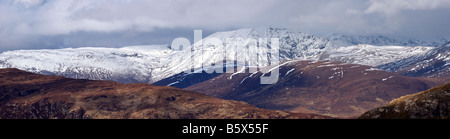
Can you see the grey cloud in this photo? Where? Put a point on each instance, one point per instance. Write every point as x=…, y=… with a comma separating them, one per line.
x=390, y=7
x=47, y=21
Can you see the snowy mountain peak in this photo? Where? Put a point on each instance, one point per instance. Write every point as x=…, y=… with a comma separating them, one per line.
x=293, y=45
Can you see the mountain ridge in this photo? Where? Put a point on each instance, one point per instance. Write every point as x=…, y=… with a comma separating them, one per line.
x=149, y=64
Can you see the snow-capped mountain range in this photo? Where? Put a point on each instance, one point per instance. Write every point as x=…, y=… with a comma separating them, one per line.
x=127, y=64
x=153, y=63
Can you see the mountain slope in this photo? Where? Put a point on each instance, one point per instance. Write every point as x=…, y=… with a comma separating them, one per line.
x=183, y=80
x=435, y=63
x=126, y=65
x=429, y=104
x=373, y=55
x=292, y=45
x=26, y=95
x=330, y=88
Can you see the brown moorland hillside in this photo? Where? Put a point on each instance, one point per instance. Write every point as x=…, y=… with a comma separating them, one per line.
x=26, y=95
x=429, y=104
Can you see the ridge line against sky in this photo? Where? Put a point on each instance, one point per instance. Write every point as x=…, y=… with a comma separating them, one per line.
x=35, y=24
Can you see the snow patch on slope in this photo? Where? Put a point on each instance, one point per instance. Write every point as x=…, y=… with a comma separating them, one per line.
x=373, y=55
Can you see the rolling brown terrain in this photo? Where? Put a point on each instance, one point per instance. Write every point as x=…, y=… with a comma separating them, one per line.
x=26, y=95
x=329, y=88
x=430, y=104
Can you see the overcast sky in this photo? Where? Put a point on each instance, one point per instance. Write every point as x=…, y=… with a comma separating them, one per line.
x=37, y=24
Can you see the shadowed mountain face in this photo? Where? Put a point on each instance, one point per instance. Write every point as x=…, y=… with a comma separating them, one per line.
x=330, y=88
x=26, y=95
x=183, y=80
x=430, y=104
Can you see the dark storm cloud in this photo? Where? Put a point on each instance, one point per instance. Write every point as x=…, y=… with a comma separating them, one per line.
x=66, y=23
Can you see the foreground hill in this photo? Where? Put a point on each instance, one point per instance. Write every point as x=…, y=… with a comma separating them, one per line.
x=329, y=88
x=26, y=95
x=430, y=104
